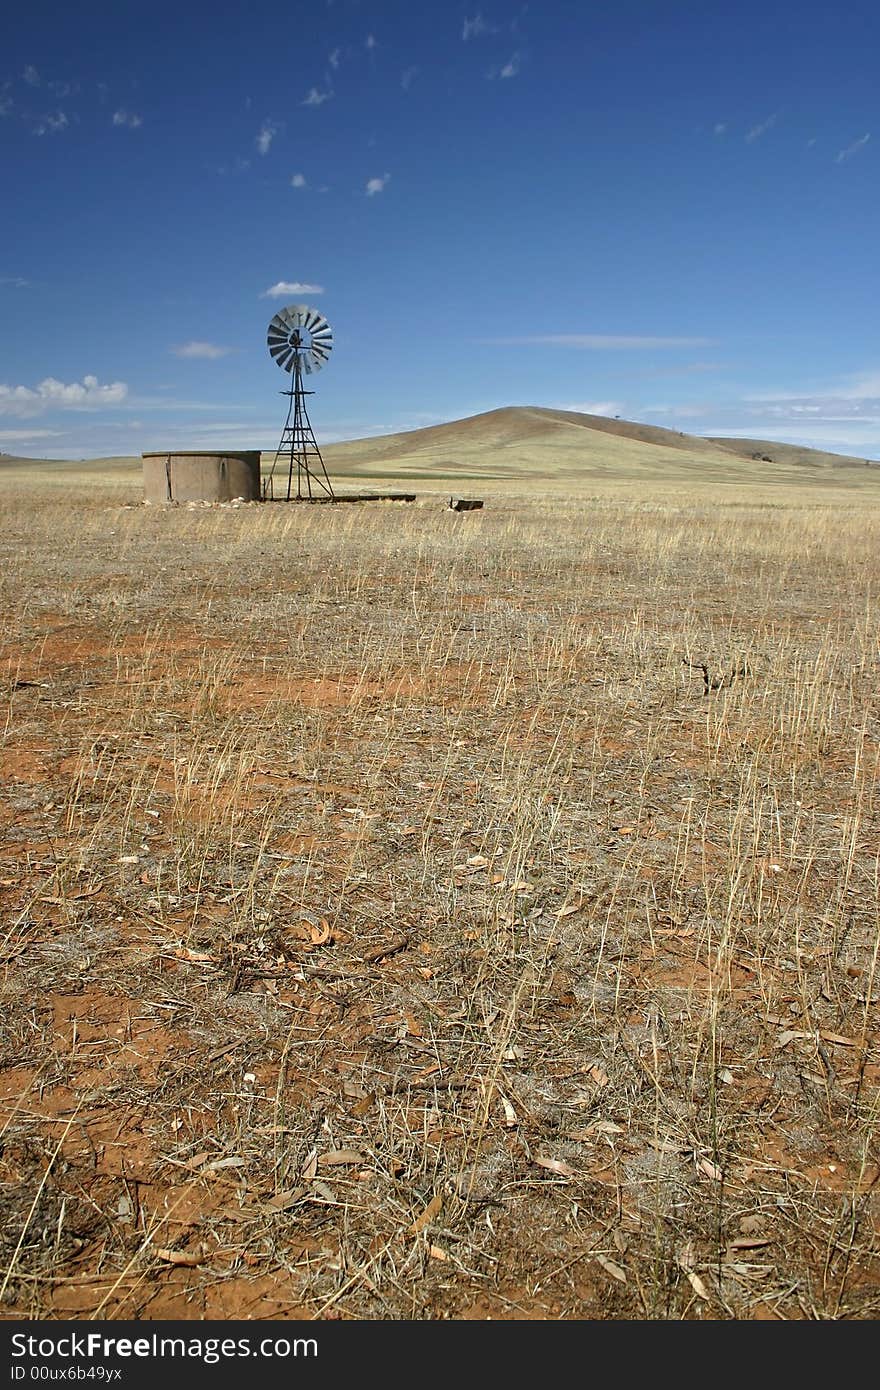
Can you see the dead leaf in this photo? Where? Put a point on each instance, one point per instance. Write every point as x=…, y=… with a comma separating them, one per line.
x=478, y=861
x=555, y=1165
x=71, y=897
x=568, y=910
x=789, y=1034
x=282, y=1200
x=310, y=1167
x=436, y=1253
x=423, y=1075
x=599, y=1076
x=320, y=934
x=510, y=1118
x=613, y=1269
x=427, y=1216
x=323, y=1190
x=336, y=1158
x=183, y=953
x=413, y=1027
x=180, y=1257
x=750, y=1224
x=234, y=1161
x=839, y=1039
x=710, y=1169
x=197, y=1160
x=750, y=1242
x=697, y=1285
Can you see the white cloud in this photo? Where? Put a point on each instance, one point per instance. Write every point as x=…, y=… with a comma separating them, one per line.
x=51, y=123
x=17, y=282
x=852, y=149
x=758, y=130
x=333, y=59
x=127, y=118
x=473, y=28
x=87, y=394
x=268, y=131
x=407, y=77
x=316, y=97
x=298, y=181
x=599, y=341
x=377, y=185
x=720, y=127
x=370, y=42
x=31, y=76
x=511, y=67
x=198, y=349
x=287, y=287
x=6, y=103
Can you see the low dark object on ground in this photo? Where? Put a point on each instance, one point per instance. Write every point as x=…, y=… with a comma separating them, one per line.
x=465, y=504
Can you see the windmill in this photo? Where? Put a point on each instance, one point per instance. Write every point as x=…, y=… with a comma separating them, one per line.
x=300, y=340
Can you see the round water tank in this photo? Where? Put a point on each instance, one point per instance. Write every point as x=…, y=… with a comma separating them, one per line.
x=199, y=476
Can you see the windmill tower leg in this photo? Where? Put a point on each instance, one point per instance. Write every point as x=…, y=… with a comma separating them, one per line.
x=300, y=339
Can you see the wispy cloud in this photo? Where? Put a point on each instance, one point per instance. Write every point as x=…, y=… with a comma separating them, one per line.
x=317, y=97
x=407, y=77
x=87, y=394
x=370, y=42
x=15, y=282
x=51, y=123
x=200, y=349
x=377, y=185
x=298, y=181
x=238, y=166
x=333, y=58
x=720, y=127
x=127, y=118
x=268, y=131
x=31, y=76
x=844, y=417
x=474, y=28
x=511, y=67
x=609, y=408
x=23, y=436
x=758, y=130
x=598, y=341
x=287, y=287
x=853, y=148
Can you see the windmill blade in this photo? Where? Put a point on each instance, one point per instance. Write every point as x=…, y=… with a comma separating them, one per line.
x=299, y=336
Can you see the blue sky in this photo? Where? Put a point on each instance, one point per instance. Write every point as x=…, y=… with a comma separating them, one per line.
x=664, y=211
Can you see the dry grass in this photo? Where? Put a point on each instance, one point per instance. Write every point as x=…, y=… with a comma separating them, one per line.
x=413, y=915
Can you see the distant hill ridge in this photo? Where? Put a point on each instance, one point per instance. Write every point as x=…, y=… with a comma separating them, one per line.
x=521, y=444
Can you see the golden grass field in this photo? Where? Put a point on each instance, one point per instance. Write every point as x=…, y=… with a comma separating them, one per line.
x=412, y=915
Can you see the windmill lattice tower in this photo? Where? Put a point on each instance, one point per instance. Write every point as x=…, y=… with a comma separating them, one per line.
x=300, y=340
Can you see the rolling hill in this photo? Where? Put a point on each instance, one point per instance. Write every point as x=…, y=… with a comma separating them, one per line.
x=532, y=446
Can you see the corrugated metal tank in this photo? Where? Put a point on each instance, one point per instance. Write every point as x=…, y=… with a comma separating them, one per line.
x=200, y=476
